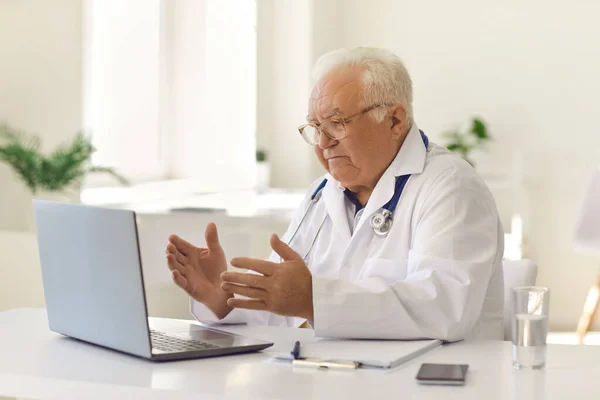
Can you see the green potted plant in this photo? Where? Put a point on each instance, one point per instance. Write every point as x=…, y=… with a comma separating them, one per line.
x=57, y=176
x=62, y=170
x=463, y=143
x=263, y=170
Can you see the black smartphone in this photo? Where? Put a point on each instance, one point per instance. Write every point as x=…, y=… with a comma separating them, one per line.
x=442, y=374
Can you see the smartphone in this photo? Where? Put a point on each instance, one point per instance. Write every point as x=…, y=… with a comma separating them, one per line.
x=442, y=374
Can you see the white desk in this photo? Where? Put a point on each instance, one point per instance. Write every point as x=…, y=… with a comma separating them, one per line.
x=36, y=363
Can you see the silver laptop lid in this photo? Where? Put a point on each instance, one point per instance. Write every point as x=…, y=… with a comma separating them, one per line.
x=92, y=276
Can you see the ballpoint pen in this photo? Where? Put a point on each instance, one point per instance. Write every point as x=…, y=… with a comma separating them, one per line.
x=296, y=350
x=325, y=364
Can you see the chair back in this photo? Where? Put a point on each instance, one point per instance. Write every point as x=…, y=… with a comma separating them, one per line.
x=587, y=230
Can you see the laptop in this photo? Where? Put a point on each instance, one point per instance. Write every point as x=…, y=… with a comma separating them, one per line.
x=94, y=288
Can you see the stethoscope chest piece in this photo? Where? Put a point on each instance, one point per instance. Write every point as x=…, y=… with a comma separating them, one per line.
x=382, y=222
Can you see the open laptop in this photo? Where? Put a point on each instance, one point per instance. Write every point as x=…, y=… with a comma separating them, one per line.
x=94, y=288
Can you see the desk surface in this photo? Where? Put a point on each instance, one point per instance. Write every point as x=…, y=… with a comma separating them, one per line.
x=38, y=364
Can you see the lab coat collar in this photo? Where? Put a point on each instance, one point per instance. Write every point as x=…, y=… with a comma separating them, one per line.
x=410, y=160
x=411, y=156
x=333, y=195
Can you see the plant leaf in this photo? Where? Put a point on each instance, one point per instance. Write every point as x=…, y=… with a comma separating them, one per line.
x=479, y=129
x=122, y=180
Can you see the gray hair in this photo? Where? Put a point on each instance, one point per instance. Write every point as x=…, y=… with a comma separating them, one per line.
x=385, y=79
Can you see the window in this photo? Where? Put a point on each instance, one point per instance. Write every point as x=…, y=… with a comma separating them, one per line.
x=170, y=90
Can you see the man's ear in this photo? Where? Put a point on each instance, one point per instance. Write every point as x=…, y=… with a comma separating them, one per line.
x=398, y=117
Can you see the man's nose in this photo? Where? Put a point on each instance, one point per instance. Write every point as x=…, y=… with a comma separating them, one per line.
x=325, y=141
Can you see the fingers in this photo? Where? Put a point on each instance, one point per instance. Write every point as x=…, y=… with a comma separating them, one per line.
x=179, y=280
x=171, y=249
x=266, y=268
x=185, y=247
x=174, y=264
x=246, y=279
x=285, y=252
x=246, y=291
x=250, y=304
x=211, y=236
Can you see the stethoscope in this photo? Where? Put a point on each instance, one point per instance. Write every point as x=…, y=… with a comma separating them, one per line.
x=381, y=221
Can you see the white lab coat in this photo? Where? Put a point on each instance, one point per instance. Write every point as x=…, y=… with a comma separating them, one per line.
x=438, y=273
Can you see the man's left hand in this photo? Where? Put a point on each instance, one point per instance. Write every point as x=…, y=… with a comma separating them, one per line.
x=284, y=288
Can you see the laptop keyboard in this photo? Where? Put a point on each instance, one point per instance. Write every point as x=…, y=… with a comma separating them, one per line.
x=172, y=344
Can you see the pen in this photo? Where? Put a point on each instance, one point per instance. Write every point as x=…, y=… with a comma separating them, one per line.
x=325, y=364
x=296, y=351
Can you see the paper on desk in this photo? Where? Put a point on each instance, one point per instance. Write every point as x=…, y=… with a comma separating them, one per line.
x=371, y=353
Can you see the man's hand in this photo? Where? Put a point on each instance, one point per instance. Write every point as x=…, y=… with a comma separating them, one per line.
x=198, y=270
x=284, y=288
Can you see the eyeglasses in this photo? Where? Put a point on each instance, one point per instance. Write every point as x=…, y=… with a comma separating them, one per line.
x=333, y=127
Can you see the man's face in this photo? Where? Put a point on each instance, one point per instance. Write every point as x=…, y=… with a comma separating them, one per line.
x=358, y=160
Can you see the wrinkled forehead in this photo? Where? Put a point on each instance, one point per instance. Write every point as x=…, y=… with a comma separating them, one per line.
x=337, y=92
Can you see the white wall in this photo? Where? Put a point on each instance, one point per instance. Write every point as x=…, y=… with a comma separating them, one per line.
x=122, y=92
x=230, y=110
x=40, y=83
x=531, y=70
x=40, y=92
x=285, y=58
x=212, y=54
x=187, y=40
x=264, y=73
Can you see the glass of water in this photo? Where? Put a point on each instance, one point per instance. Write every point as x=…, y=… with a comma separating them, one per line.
x=530, y=326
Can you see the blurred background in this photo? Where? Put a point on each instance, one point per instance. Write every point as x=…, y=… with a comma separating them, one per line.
x=196, y=104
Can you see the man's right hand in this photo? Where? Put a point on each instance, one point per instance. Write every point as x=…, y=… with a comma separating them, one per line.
x=198, y=270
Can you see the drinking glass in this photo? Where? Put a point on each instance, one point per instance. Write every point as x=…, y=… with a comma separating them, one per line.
x=530, y=326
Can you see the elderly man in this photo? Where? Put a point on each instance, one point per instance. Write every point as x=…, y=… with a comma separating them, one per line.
x=399, y=240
